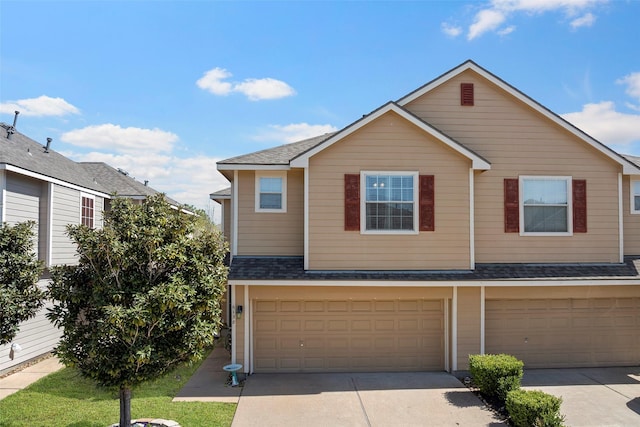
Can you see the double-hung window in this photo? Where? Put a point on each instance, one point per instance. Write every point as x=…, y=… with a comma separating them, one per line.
x=635, y=197
x=545, y=205
x=87, y=211
x=271, y=192
x=390, y=201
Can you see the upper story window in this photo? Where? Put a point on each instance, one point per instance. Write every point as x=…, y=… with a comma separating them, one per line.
x=390, y=202
x=635, y=197
x=271, y=192
x=87, y=214
x=545, y=205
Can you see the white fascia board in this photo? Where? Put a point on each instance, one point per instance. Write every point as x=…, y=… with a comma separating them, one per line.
x=439, y=283
x=628, y=168
x=56, y=181
x=250, y=167
x=477, y=162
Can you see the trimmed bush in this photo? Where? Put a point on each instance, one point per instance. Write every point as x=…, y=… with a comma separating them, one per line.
x=534, y=408
x=496, y=374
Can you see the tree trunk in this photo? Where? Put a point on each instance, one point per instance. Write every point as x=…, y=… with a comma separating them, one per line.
x=125, y=406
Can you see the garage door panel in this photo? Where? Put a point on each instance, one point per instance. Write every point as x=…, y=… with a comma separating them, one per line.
x=568, y=332
x=349, y=335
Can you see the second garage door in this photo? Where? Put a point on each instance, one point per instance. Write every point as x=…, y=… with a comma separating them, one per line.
x=547, y=333
x=348, y=335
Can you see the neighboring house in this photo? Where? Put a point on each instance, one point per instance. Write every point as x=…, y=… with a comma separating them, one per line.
x=120, y=184
x=463, y=218
x=39, y=184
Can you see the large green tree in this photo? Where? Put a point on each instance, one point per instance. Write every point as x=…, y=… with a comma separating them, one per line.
x=143, y=298
x=20, y=269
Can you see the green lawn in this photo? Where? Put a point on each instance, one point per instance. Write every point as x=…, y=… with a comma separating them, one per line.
x=64, y=399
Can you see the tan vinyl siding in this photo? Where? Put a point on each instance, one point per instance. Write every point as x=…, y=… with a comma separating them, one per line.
x=226, y=226
x=468, y=324
x=237, y=325
x=519, y=141
x=388, y=144
x=36, y=337
x=66, y=210
x=631, y=221
x=264, y=233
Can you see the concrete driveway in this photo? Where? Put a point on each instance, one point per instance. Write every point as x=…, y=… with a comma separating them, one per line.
x=591, y=396
x=355, y=399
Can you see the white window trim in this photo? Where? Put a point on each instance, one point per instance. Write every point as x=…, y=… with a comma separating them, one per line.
x=569, y=181
x=92, y=197
x=632, y=201
x=271, y=174
x=363, y=202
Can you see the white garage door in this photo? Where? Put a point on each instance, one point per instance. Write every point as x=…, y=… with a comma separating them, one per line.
x=565, y=332
x=348, y=335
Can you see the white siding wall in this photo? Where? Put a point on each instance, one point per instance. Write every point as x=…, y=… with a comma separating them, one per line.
x=66, y=210
x=36, y=337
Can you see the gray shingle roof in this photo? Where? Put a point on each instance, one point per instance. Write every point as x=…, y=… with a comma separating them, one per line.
x=225, y=193
x=280, y=155
x=292, y=268
x=25, y=153
x=118, y=183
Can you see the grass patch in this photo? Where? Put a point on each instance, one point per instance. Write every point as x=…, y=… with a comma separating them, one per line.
x=65, y=399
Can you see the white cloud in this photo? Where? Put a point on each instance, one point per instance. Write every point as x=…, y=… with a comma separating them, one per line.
x=607, y=125
x=485, y=20
x=510, y=29
x=583, y=21
x=496, y=13
x=254, y=89
x=40, y=106
x=212, y=81
x=293, y=132
x=110, y=137
x=451, y=30
x=633, y=84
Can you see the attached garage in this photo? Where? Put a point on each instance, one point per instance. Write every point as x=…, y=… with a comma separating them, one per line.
x=332, y=335
x=567, y=332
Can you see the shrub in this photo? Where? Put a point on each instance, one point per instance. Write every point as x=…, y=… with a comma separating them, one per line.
x=496, y=374
x=534, y=408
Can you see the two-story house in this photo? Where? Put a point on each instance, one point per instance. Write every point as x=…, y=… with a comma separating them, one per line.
x=463, y=218
x=39, y=184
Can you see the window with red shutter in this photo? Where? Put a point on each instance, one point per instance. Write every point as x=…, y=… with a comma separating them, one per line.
x=579, y=206
x=352, y=202
x=511, y=206
x=466, y=94
x=427, y=203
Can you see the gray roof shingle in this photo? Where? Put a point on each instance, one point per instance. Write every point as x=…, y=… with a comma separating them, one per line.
x=280, y=155
x=25, y=153
x=292, y=268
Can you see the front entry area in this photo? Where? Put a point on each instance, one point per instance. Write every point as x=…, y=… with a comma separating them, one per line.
x=348, y=334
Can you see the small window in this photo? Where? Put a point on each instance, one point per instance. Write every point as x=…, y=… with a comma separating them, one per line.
x=635, y=197
x=390, y=202
x=271, y=192
x=546, y=205
x=87, y=211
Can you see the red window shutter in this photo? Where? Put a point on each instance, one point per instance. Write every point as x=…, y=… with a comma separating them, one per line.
x=579, y=206
x=511, y=205
x=466, y=94
x=352, y=202
x=427, y=203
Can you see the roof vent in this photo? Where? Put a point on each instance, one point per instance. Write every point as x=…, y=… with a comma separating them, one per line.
x=146, y=181
x=46, y=147
x=11, y=130
x=466, y=94
x=123, y=172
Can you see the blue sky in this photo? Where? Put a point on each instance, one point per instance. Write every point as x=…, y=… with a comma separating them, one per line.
x=164, y=89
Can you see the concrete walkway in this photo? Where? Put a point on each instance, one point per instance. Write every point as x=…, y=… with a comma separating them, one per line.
x=25, y=377
x=591, y=396
x=209, y=382
x=360, y=399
